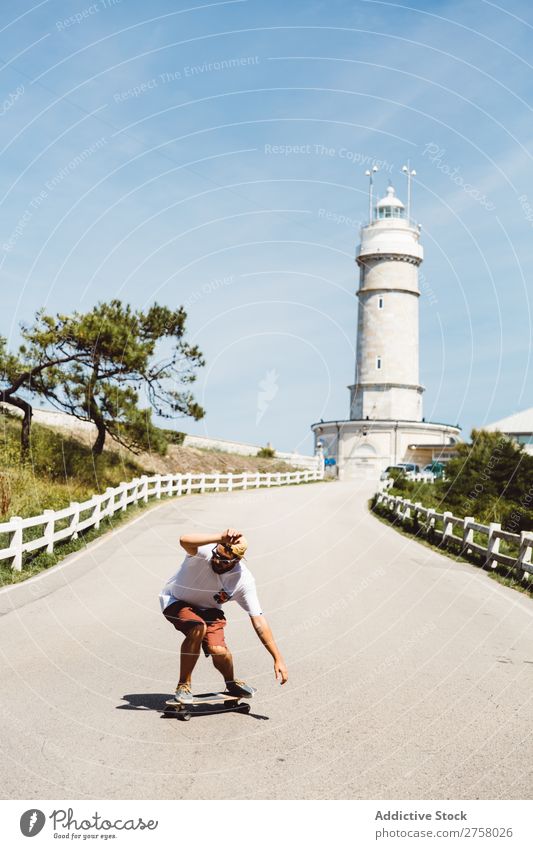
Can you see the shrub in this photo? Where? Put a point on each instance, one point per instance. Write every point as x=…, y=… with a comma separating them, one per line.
x=267, y=451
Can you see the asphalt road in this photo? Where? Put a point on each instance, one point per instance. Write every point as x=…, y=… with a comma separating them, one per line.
x=410, y=675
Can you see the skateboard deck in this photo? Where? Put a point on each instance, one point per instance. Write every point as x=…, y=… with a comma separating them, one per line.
x=186, y=709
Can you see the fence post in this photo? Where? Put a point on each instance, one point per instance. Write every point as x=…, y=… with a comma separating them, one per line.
x=170, y=481
x=217, y=482
x=230, y=482
x=15, y=541
x=407, y=511
x=97, y=512
x=144, y=488
x=202, y=483
x=189, y=484
x=524, y=557
x=110, y=492
x=49, y=529
x=123, y=496
x=279, y=479
x=431, y=523
x=158, y=487
x=468, y=535
x=268, y=480
x=447, y=526
x=245, y=481
x=493, y=545
x=257, y=480
x=416, y=523
x=75, y=520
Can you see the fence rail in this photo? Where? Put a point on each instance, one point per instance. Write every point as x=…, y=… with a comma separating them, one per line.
x=441, y=526
x=68, y=523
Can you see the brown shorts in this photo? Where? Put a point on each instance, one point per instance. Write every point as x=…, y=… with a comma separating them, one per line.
x=183, y=616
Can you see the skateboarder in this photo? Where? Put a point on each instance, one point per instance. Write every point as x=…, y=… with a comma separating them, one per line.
x=213, y=573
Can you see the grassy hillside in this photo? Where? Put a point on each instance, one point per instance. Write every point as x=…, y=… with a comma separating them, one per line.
x=61, y=468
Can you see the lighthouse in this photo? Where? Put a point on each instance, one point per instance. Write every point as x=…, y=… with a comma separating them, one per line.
x=386, y=374
x=386, y=425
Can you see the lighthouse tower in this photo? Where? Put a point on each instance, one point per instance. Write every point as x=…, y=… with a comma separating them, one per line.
x=386, y=426
x=386, y=372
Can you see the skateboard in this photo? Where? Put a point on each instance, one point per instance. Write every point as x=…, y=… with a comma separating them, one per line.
x=184, y=711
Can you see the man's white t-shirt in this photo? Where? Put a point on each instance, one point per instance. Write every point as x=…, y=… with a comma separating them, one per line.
x=196, y=583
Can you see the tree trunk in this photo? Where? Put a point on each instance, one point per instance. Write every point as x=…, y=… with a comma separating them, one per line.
x=94, y=411
x=98, y=446
x=25, y=432
x=27, y=410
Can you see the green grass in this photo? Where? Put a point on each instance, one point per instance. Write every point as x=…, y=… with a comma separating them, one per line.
x=508, y=576
x=57, y=471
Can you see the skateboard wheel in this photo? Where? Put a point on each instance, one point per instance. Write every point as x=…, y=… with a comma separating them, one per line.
x=245, y=708
x=184, y=715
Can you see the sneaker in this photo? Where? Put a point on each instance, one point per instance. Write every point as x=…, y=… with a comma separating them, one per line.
x=240, y=688
x=183, y=694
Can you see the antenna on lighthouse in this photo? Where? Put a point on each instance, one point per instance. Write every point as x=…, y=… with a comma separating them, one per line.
x=370, y=175
x=407, y=170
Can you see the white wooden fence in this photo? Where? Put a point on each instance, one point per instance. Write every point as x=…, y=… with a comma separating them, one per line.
x=78, y=517
x=426, y=518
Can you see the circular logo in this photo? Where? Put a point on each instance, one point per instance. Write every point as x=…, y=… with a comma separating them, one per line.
x=32, y=822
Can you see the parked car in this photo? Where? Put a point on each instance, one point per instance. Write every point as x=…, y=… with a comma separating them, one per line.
x=435, y=468
x=410, y=467
x=387, y=472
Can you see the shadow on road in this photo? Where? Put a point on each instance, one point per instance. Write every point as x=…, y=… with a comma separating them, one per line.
x=156, y=702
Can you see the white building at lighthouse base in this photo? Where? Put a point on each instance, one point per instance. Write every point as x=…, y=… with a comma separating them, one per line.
x=362, y=448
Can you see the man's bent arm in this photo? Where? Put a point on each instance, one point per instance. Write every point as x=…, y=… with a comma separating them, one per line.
x=262, y=629
x=190, y=542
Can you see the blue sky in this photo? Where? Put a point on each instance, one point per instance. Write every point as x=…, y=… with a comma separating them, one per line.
x=213, y=155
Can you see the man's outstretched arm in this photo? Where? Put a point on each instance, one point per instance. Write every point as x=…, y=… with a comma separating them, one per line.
x=262, y=629
x=190, y=542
